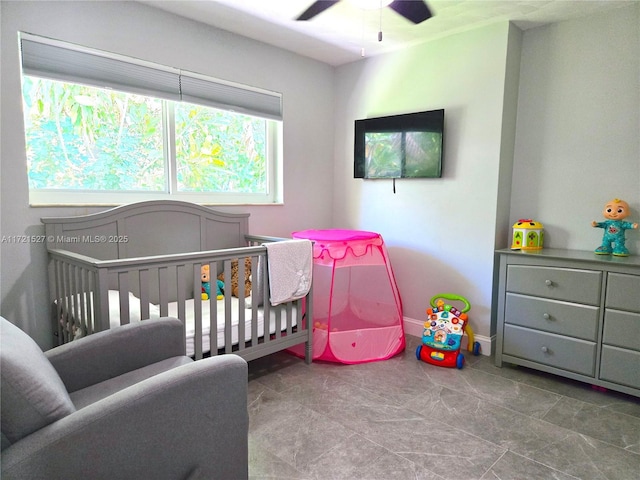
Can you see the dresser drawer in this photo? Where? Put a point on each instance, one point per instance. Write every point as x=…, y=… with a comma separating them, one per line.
x=623, y=292
x=571, y=285
x=622, y=329
x=563, y=318
x=622, y=366
x=550, y=349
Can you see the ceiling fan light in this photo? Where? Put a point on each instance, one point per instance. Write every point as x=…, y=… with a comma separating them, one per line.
x=370, y=4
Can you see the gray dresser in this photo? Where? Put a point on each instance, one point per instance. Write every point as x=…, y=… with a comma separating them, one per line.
x=571, y=313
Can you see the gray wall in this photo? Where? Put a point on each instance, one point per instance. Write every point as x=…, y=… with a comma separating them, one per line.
x=578, y=132
x=140, y=31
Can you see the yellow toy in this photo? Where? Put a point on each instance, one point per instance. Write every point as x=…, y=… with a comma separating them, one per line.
x=527, y=235
x=613, y=240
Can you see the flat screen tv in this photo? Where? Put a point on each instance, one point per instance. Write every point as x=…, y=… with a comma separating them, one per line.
x=399, y=146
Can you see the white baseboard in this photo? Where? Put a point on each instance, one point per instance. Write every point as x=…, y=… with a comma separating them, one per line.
x=415, y=327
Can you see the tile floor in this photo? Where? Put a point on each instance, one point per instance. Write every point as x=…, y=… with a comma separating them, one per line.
x=405, y=419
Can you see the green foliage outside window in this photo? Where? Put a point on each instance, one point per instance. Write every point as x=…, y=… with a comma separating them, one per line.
x=86, y=138
x=218, y=151
x=80, y=137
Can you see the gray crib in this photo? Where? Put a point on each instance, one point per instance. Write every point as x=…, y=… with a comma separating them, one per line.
x=142, y=261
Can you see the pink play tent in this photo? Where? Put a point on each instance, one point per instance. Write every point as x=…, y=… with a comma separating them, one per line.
x=357, y=312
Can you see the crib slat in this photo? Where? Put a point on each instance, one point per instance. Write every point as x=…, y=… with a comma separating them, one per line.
x=67, y=302
x=59, y=307
x=289, y=311
x=254, y=296
x=143, y=284
x=123, y=291
x=73, y=293
x=79, y=296
x=81, y=293
x=77, y=301
x=101, y=300
x=213, y=317
x=266, y=304
x=228, y=346
x=56, y=306
x=89, y=287
x=162, y=291
x=197, y=309
x=241, y=304
x=180, y=296
x=276, y=328
x=308, y=320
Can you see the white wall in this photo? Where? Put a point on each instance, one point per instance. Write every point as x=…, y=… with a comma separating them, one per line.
x=576, y=139
x=572, y=145
x=140, y=31
x=439, y=232
x=578, y=130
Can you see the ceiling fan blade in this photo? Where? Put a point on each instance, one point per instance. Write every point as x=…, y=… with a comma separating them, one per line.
x=316, y=8
x=415, y=11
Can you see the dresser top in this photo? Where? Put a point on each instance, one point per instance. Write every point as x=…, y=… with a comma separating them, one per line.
x=576, y=255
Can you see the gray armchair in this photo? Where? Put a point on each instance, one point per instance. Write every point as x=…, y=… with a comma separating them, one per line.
x=121, y=404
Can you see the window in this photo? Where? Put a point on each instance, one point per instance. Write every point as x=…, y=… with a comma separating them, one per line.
x=106, y=129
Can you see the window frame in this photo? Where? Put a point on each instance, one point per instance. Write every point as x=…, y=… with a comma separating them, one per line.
x=269, y=106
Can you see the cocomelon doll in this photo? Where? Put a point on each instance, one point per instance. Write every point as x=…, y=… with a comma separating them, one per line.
x=205, y=276
x=614, y=226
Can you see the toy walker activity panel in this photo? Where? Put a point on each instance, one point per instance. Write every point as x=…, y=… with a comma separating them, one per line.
x=443, y=332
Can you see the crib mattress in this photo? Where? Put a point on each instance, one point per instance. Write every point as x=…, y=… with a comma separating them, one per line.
x=274, y=313
x=189, y=320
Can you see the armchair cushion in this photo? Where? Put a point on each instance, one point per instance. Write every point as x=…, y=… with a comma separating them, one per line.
x=87, y=396
x=32, y=393
x=110, y=353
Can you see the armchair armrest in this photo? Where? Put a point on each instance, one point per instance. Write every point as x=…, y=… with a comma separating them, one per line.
x=189, y=422
x=113, y=352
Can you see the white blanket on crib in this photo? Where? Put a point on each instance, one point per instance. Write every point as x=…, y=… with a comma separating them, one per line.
x=290, y=267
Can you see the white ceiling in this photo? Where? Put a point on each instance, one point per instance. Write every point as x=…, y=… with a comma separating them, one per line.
x=343, y=32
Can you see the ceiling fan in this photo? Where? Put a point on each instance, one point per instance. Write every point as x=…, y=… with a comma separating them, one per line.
x=415, y=11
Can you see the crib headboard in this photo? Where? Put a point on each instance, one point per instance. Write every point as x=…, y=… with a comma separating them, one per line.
x=157, y=227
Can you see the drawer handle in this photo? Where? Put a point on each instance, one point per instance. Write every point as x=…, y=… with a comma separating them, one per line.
x=546, y=316
x=544, y=350
x=548, y=283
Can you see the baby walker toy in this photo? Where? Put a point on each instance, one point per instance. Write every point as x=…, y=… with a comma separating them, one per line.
x=443, y=332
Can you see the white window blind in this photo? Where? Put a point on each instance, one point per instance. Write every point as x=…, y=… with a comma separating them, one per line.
x=227, y=96
x=70, y=63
